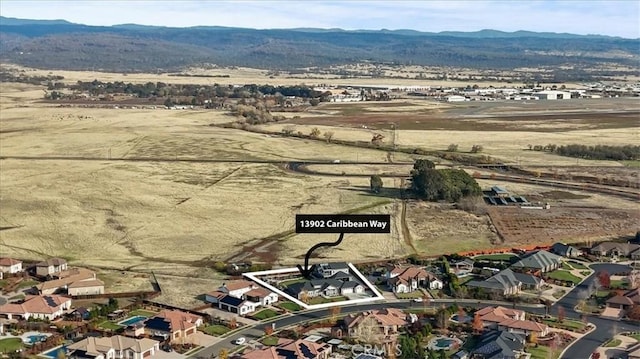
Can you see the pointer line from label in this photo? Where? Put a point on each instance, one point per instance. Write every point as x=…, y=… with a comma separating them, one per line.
x=306, y=271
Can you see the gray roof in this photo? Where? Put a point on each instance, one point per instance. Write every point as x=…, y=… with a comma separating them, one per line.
x=564, y=250
x=337, y=265
x=504, y=280
x=499, y=345
x=538, y=260
x=625, y=248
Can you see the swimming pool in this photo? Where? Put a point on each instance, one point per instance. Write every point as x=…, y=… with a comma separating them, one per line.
x=443, y=343
x=133, y=320
x=35, y=338
x=53, y=353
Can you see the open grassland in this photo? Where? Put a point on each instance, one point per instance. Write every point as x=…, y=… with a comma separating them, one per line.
x=241, y=75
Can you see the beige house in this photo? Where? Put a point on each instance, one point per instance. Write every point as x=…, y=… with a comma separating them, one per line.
x=510, y=320
x=380, y=323
x=38, y=307
x=51, y=266
x=86, y=287
x=174, y=325
x=288, y=348
x=75, y=281
x=115, y=347
x=10, y=265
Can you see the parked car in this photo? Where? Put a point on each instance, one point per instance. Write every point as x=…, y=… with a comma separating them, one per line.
x=240, y=341
x=418, y=300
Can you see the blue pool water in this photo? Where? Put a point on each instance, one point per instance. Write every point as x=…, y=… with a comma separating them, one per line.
x=132, y=320
x=53, y=353
x=444, y=343
x=33, y=339
x=464, y=319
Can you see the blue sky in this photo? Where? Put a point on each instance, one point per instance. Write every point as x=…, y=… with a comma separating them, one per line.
x=615, y=18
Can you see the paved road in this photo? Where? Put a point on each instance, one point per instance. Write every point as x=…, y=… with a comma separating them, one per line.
x=605, y=328
x=301, y=317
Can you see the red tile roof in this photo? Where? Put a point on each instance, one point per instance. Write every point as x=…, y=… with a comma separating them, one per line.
x=179, y=320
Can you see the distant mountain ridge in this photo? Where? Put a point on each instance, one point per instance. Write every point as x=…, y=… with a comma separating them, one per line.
x=132, y=47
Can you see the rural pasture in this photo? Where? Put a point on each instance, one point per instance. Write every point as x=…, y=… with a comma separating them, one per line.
x=127, y=193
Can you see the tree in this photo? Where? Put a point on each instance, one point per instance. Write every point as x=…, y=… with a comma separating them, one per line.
x=478, y=325
x=368, y=331
x=60, y=354
x=334, y=313
x=561, y=314
x=452, y=148
x=376, y=139
x=476, y=148
x=315, y=132
x=533, y=338
x=634, y=279
x=375, y=183
x=328, y=136
x=604, y=279
x=233, y=323
x=223, y=354
x=288, y=130
x=268, y=330
x=304, y=297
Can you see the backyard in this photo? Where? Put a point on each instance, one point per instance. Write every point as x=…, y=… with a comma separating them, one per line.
x=567, y=324
x=290, y=306
x=10, y=345
x=543, y=352
x=505, y=257
x=109, y=325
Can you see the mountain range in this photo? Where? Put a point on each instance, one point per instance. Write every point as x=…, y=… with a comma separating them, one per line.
x=59, y=44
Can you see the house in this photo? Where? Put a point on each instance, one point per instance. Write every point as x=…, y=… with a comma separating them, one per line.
x=387, y=322
x=10, y=265
x=214, y=297
x=507, y=282
x=290, y=349
x=81, y=313
x=261, y=296
x=173, y=325
x=462, y=268
x=236, y=288
x=329, y=287
x=498, y=191
x=38, y=307
x=115, y=347
x=615, y=249
x=499, y=345
x=541, y=260
x=625, y=301
x=237, y=305
x=408, y=279
x=633, y=352
x=86, y=287
x=51, y=266
x=565, y=250
x=327, y=270
x=510, y=320
x=74, y=281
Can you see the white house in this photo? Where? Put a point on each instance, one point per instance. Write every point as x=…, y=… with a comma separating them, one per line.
x=86, y=287
x=38, y=307
x=456, y=98
x=261, y=296
x=237, y=288
x=10, y=265
x=327, y=270
x=237, y=305
x=553, y=95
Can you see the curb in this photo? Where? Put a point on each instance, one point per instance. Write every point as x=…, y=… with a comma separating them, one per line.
x=593, y=327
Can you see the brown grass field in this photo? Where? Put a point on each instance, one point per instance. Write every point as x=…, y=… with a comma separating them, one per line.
x=176, y=218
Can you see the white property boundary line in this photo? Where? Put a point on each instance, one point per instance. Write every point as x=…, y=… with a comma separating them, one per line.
x=254, y=277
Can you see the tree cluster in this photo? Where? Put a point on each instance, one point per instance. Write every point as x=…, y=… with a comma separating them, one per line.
x=449, y=185
x=597, y=152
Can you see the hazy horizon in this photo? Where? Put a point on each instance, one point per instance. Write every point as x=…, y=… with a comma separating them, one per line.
x=610, y=18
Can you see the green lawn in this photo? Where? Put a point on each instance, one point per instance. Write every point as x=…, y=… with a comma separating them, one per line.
x=577, y=265
x=3, y=282
x=559, y=293
x=585, y=273
x=109, y=325
x=290, y=306
x=566, y=266
x=631, y=163
x=270, y=341
x=321, y=300
x=10, y=345
x=142, y=313
x=265, y=313
x=495, y=257
x=618, y=284
x=543, y=352
x=613, y=343
x=289, y=282
x=216, y=329
x=567, y=324
x=17, y=297
x=564, y=276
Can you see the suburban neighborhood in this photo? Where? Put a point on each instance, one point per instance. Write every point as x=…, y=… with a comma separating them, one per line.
x=435, y=308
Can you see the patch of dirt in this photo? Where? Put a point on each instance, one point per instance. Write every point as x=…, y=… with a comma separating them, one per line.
x=556, y=195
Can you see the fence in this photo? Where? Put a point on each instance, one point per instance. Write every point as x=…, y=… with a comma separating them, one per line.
x=140, y=294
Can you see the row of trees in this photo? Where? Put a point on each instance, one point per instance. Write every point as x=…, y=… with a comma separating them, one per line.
x=597, y=152
x=474, y=149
